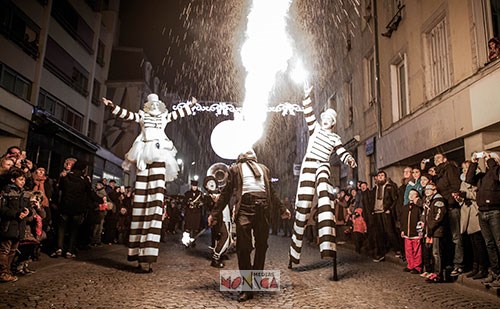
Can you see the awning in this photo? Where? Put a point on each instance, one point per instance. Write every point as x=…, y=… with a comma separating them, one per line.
x=48, y=124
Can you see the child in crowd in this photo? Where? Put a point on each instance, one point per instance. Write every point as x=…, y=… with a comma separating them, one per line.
x=14, y=208
x=359, y=229
x=436, y=230
x=412, y=239
x=33, y=235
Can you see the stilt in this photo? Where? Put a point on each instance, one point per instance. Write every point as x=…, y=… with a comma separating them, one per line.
x=334, y=260
x=290, y=266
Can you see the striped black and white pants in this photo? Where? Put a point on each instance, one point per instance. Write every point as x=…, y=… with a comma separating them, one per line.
x=314, y=180
x=145, y=230
x=224, y=238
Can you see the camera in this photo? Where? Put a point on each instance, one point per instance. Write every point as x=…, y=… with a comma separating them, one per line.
x=480, y=154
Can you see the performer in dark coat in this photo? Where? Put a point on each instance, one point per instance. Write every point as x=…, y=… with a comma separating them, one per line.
x=250, y=184
x=192, y=212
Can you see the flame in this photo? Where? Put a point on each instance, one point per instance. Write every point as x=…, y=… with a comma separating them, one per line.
x=265, y=52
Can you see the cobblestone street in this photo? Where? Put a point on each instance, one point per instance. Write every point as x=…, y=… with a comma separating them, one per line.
x=102, y=278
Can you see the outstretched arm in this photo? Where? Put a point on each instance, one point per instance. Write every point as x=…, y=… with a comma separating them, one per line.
x=344, y=155
x=309, y=115
x=182, y=112
x=120, y=112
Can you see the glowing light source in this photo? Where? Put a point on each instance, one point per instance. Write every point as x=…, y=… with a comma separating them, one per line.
x=299, y=74
x=265, y=52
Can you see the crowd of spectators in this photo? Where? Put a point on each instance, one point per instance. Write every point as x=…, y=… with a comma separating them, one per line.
x=442, y=220
x=57, y=217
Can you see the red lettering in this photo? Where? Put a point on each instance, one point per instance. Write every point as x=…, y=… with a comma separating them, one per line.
x=236, y=283
x=225, y=282
x=274, y=284
x=264, y=282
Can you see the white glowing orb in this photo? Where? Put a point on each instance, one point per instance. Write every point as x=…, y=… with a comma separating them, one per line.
x=232, y=137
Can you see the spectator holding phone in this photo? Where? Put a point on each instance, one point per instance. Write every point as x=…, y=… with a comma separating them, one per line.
x=488, y=201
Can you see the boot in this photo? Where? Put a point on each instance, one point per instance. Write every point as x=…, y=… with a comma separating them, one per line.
x=482, y=273
x=475, y=270
x=491, y=277
x=217, y=264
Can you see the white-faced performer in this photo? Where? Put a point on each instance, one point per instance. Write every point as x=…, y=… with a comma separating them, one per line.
x=315, y=179
x=154, y=155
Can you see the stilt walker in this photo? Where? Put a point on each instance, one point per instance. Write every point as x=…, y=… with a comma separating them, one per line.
x=154, y=155
x=314, y=180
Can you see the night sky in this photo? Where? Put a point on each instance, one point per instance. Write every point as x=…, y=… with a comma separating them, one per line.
x=191, y=44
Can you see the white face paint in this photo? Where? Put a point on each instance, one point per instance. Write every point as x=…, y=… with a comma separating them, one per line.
x=155, y=108
x=327, y=123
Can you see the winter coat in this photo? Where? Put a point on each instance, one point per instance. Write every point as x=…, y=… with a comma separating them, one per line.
x=469, y=212
x=342, y=211
x=234, y=189
x=390, y=197
x=358, y=222
x=488, y=185
x=410, y=218
x=77, y=195
x=13, y=200
x=437, y=215
x=447, y=181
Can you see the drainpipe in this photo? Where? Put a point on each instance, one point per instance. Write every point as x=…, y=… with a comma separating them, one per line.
x=377, y=69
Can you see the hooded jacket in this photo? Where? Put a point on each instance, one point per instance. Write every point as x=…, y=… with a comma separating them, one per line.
x=436, y=216
x=410, y=218
x=12, y=202
x=488, y=185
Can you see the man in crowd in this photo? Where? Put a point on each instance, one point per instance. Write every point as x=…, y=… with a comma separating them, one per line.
x=447, y=181
x=488, y=201
x=384, y=203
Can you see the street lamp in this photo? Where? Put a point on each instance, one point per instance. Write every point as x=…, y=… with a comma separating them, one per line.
x=195, y=177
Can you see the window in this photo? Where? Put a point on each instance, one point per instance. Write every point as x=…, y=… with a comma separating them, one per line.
x=100, y=53
x=96, y=92
x=399, y=89
x=438, y=59
x=14, y=83
x=60, y=111
x=495, y=17
x=73, y=23
x=61, y=64
x=74, y=119
x=19, y=28
x=92, y=132
x=370, y=80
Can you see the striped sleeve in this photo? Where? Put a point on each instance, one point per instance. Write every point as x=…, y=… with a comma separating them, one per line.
x=309, y=115
x=180, y=113
x=339, y=149
x=124, y=114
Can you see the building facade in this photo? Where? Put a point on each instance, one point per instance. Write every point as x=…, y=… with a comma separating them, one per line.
x=412, y=79
x=55, y=59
